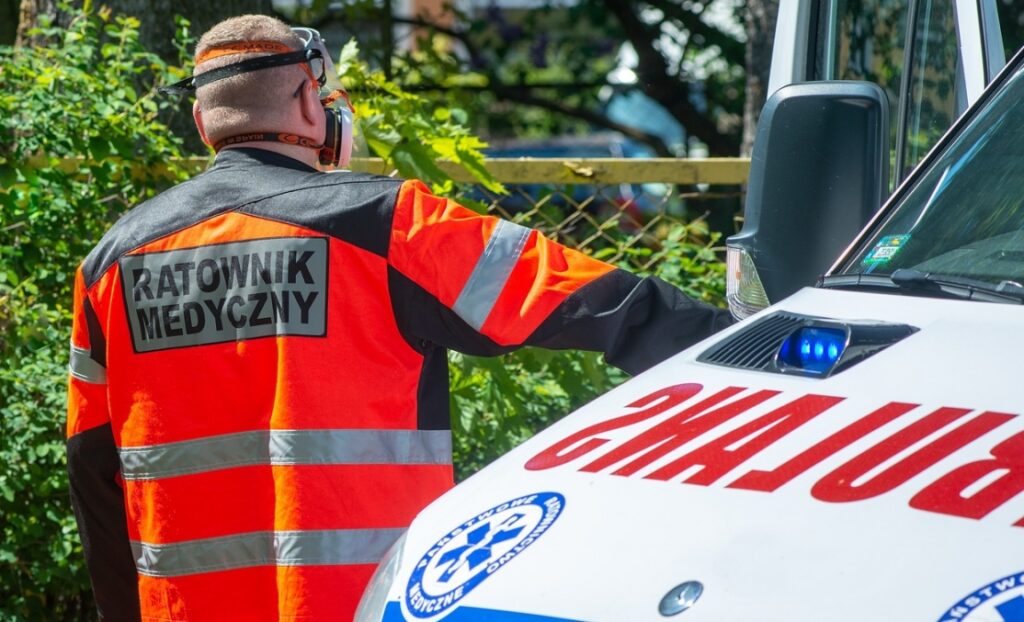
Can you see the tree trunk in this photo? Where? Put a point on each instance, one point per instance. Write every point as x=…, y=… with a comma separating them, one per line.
x=760, y=27
x=8, y=21
x=28, y=17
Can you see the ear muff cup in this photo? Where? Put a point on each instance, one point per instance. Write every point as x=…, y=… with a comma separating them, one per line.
x=337, y=149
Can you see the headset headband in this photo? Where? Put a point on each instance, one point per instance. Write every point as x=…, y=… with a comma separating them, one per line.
x=242, y=47
x=286, y=56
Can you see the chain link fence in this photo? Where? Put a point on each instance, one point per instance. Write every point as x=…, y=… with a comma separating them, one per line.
x=620, y=210
x=610, y=221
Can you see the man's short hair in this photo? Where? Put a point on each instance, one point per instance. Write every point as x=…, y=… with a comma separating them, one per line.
x=256, y=101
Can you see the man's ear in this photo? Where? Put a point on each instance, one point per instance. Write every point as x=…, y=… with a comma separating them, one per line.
x=197, y=116
x=312, y=109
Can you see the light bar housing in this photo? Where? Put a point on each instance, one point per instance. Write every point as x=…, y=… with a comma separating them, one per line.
x=789, y=343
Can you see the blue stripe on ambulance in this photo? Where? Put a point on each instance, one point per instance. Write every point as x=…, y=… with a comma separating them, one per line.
x=393, y=613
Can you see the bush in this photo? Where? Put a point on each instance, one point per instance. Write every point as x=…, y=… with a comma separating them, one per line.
x=87, y=95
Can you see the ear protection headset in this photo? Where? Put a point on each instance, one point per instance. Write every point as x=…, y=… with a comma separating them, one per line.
x=335, y=149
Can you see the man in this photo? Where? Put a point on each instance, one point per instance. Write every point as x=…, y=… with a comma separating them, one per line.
x=258, y=401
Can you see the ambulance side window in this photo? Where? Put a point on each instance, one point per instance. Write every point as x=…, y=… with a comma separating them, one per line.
x=865, y=40
x=907, y=47
x=937, y=94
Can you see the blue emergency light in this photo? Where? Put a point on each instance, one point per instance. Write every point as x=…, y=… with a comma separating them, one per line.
x=812, y=350
x=802, y=345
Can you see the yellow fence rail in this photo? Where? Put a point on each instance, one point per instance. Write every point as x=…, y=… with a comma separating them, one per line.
x=599, y=171
x=596, y=171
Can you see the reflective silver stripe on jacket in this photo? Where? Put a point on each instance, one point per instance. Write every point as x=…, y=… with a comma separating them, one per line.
x=491, y=272
x=83, y=367
x=286, y=447
x=264, y=548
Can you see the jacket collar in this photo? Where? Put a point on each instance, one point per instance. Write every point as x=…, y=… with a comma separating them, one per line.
x=250, y=156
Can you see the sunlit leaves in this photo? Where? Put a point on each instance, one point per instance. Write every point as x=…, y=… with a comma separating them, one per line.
x=410, y=131
x=87, y=94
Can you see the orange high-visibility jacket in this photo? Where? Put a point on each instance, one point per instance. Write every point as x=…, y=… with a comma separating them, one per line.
x=258, y=399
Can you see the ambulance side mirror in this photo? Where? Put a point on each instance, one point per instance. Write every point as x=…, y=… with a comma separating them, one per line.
x=819, y=171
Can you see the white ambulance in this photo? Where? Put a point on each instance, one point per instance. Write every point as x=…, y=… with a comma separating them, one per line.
x=854, y=451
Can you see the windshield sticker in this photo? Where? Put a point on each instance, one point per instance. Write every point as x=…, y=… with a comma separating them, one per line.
x=886, y=249
x=999, y=601
x=476, y=549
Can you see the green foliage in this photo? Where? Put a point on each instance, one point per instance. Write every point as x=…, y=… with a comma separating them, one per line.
x=41, y=565
x=574, y=45
x=687, y=257
x=78, y=98
x=85, y=95
x=411, y=132
x=497, y=403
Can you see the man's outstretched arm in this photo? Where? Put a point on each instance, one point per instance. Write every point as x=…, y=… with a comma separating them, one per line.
x=486, y=286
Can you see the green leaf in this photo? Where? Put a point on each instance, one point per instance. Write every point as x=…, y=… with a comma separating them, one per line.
x=415, y=161
x=379, y=139
x=348, y=56
x=99, y=148
x=460, y=116
x=473, y=161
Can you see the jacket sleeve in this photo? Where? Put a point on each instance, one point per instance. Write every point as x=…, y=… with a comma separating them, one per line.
x=93, y=469
x=485, y=286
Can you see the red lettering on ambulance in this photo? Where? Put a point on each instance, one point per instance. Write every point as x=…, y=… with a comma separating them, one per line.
x=717, y=459
x=944, y=496
x=677, y=430
x=656, y=403
x=768, y=481
x=838, y=486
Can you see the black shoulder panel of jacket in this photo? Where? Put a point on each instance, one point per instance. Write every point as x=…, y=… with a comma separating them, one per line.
x=97, y=342
x=637, y=322
x=98, y=502
x=432, y=329
x=424, y=321
x=353, y=207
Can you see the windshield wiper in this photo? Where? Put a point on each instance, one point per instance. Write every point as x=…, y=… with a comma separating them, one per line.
x=974, y=289
x=930, y=284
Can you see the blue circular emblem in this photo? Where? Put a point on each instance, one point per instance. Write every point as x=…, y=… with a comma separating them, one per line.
x=476, y=549
x=999, y=601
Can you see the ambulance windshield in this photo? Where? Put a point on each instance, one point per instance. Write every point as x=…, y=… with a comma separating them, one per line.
x=964, y=218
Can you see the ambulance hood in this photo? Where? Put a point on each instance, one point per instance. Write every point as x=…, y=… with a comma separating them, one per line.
x=888, y=491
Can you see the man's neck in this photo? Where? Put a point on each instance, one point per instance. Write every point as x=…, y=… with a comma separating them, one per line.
x=305, y=155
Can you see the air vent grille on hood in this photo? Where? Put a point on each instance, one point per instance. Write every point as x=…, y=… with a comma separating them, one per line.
x=755, y=347
x=787, y=343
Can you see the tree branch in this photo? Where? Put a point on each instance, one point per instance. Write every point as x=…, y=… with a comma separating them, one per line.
x=555, y=86
x=462, y=36
x=660, y=85
x=525, y=97
x=520, y=93
x=733, y=50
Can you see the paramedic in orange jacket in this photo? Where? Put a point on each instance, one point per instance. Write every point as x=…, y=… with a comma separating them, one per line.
x=258, y=400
